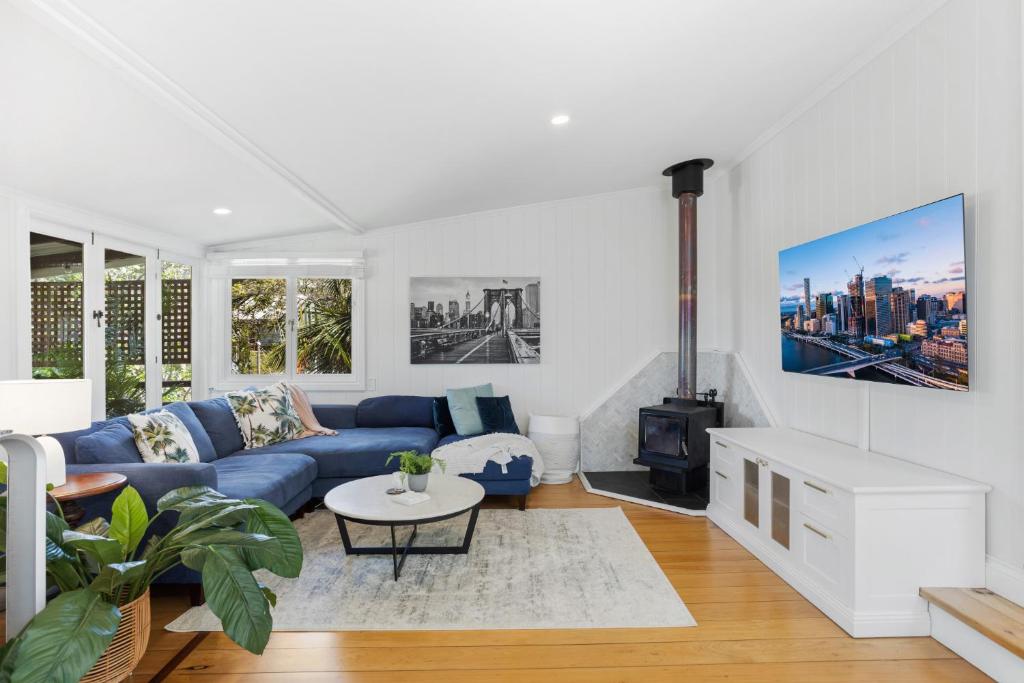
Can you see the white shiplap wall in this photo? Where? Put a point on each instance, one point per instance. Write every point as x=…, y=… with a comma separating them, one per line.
x=607, y=265
x=937, y=113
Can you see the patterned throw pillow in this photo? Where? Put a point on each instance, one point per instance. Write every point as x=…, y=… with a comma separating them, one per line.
x=163, y=437
x=265, y=416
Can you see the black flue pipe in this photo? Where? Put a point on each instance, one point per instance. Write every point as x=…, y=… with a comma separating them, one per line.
x=687, y=185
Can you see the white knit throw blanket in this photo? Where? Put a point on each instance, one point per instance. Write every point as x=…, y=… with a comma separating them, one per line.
x=470, y=456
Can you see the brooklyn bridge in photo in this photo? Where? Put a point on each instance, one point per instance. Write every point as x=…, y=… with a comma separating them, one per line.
x=474, y=320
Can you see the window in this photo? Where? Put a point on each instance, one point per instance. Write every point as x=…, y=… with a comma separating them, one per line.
x=258, y=315
x=324, y=339
x=176, y=332
x=290, y=316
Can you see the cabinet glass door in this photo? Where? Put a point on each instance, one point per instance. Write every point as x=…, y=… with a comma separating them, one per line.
x=751, y=491
x=780, y=509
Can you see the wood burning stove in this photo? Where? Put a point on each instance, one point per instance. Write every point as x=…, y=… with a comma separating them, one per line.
x=673, y=442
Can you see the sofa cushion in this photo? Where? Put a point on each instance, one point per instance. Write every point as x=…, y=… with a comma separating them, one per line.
x=452, y=438
x=219, y=422
x=355, y=452
x=113, y=443
x=182, y=411
x=462, y=404
x=335, y=416
x=161, y=437
x=396, y=411
x=265, y=416
x=496, y=414
x=273, y=477
x=443, y=424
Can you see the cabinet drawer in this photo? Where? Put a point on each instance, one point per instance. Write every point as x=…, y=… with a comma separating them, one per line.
x=824, y=556
x=725, y=451
x=724, y=484
x=824, y=503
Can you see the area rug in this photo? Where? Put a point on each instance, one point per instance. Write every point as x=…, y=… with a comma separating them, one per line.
x=581, y=568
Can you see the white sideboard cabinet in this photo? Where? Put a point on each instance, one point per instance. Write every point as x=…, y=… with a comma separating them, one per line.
x=855, y=532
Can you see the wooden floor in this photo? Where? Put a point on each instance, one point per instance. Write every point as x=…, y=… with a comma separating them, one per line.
x=751, y=627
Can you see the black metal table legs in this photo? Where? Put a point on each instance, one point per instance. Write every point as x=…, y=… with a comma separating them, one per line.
x=398, y=555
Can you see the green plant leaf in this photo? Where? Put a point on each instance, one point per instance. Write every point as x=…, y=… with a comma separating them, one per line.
x=113, y=576
x=194, y=558
x=188, y=496
x=3, y=472
x=234, y=596
x=62, y=642
x=283, y=555
x=128, y=520
x=99, y=549
x=230, y=537
x=96, y=527
x=55, y=528
x=62, y=567
x=226, y=515
x=270, y=595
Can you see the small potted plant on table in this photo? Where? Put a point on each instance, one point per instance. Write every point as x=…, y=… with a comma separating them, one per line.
x=416, y=467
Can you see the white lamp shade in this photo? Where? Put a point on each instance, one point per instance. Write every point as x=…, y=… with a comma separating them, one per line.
x=45, y=406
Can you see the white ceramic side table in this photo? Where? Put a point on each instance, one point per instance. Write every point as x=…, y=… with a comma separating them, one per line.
x=557, y=438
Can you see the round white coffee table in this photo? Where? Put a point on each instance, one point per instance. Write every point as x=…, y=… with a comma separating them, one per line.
x=365, y=501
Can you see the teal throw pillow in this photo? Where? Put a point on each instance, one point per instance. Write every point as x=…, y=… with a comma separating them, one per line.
x=462, y=405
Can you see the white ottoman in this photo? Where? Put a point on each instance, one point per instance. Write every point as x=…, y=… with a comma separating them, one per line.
x=558, y=440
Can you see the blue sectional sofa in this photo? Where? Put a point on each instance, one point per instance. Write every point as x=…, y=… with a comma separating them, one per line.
x=288, y=474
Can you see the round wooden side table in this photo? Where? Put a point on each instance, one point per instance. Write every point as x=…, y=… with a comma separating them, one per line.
x=83, y=486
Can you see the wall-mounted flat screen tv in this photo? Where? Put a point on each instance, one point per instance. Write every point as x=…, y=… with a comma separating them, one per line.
x=886, y=301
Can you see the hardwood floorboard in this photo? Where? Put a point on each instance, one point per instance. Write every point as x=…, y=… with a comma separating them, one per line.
x=918, y=671
x=752, y=627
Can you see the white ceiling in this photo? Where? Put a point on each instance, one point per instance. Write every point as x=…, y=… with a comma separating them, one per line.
x=403, y=110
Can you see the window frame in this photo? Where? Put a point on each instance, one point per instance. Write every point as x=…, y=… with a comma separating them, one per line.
x=291, y=272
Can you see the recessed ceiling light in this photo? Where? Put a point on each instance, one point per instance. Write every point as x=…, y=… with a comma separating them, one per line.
x=560, y=120
x=222, y=211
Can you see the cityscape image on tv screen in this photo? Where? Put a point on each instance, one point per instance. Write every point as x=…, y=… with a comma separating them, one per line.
x=885, y=301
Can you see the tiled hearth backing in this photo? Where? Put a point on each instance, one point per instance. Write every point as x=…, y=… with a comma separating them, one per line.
x=609, y=434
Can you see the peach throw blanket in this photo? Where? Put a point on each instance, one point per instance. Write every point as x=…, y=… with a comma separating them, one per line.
x=310, y=426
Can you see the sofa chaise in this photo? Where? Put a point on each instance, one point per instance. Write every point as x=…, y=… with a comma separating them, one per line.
x=289, y=474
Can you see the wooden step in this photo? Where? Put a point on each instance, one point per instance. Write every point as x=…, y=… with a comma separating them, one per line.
x=995, y=617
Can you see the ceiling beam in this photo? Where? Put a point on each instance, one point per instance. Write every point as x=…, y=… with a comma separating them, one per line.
x=70, y=22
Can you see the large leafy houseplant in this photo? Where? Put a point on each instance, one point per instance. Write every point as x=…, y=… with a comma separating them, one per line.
x=102, y=566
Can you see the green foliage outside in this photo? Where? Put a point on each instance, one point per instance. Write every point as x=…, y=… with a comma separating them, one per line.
x=258, y=326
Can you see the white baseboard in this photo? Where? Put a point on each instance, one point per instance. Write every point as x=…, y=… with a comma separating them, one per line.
x=993, y=659
x=1005, y=579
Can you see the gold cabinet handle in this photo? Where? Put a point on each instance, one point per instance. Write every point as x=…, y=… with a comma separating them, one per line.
x=821, y=533
x=816, y=487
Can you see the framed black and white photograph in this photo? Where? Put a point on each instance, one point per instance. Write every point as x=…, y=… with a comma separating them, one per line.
x=483, y=320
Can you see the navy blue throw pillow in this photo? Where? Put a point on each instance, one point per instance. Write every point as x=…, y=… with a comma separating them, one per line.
x=496, y=415
x=443, y=423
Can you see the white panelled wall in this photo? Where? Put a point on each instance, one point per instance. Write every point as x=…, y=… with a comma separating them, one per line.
x=935, y=114
x=607, y=266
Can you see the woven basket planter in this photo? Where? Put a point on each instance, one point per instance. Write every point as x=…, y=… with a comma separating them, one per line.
x=129, y=644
